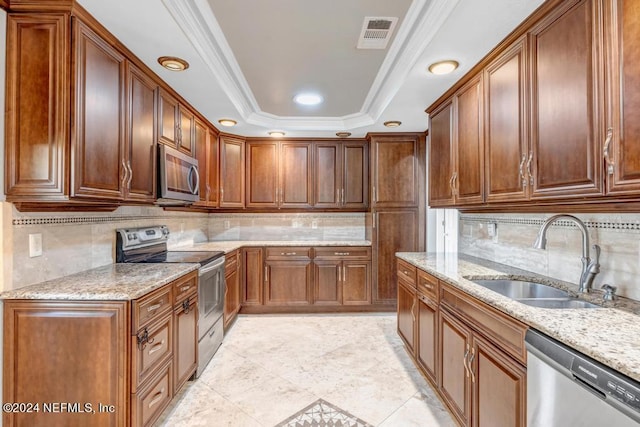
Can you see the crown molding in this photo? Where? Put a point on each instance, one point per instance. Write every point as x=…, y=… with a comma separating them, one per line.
x=422, y=21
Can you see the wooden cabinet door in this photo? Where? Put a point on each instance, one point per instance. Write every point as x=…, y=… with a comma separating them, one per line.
x=37, y=85
x=202, y=142
x=393, y=231
x=565, y=90
x=455, y=382
x=288, y=283
x=327, y=282
x=43, y=340
x=499, y=387
x=231, y=172
x=140, y=138
x=441, y=160
x=262, y=174
x=296, y=180
x=328, y=175
x=356, y=282
x=469, y=143
x=97, y=145
x=395, y=171
x=185, y=350
x=252, y=277
x=506, y=126
x=355, y=181
x=427, y=348
x=186, y=142
x=231, y=295
x=167, y=119
x=622, y=154
x=407, y=314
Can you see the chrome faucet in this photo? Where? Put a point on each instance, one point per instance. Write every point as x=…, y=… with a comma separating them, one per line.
x=589, y=268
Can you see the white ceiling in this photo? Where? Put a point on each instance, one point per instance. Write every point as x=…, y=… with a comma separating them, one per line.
x=248, y=58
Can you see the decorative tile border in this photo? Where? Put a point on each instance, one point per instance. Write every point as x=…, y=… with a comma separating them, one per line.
x=598, y=225
x=88, y=220
x=323, y=414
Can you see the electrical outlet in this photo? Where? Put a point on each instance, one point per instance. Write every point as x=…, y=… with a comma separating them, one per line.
x=492, y=229
x=314, y=224
x=35, y=245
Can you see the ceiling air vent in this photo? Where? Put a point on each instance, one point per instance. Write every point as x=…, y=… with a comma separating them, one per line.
x=376, y=32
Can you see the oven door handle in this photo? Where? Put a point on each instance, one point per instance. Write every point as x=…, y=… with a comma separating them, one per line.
x=212, y=266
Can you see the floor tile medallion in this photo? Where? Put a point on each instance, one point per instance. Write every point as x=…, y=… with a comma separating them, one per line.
x=323, y=414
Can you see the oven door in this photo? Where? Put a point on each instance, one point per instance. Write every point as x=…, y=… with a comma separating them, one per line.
x=210, y=294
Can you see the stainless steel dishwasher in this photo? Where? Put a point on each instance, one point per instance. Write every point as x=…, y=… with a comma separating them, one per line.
x=566, y=388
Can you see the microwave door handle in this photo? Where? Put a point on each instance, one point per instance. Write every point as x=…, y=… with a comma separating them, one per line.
x=197, y=186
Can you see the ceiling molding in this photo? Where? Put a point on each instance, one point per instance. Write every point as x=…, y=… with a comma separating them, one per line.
x=422, y=21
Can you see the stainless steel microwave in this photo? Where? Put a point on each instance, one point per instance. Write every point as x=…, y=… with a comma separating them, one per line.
x=179, y=180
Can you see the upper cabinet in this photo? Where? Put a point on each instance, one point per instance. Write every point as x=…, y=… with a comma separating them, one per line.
x=206, y=144
x=341, y=174
x=622, y=144
x=176, y=127
x=231, y=172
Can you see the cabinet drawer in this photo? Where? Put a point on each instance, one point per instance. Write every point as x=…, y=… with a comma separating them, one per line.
x=284, y=252
x=428, y=285
x=147, y=356
x=406, y=272
x=231, y=262
x=151, y=307
x=343, y=252
x=504, y=331
x=149, y=402
x=184, y=287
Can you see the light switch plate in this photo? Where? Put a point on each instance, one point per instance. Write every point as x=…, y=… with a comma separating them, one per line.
x=492, y=229
x=35, y=245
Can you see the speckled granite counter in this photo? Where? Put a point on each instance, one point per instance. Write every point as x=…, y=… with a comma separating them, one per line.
x=111, y=282
x=609, y=335
x=232, y=245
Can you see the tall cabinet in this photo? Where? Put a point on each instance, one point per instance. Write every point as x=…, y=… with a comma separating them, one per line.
x=397, y=206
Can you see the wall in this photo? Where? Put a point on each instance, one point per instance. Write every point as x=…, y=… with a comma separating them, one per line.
x=617, y=234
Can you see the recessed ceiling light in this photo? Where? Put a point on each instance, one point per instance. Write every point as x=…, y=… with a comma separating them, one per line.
x=343, y=134
x=443, y=67
x=392, y=123
x=276, y=134
x=173, y=63
x=227, y=122
x=308, y=99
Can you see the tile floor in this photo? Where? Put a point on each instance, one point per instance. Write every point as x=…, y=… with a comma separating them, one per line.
x=271, y=367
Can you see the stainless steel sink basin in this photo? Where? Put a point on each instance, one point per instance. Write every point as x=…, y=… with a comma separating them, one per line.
x=517, y=289
x=558, y=303
x=534, y=294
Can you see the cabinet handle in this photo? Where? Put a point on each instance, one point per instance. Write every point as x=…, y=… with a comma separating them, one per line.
x=473, y=355
x=154, y=307
x=453, y=191
x=427, y=285
x=156, y=347
x=529, y=167
x=185, y=288
x=288, y=253
x=266, y=273
x=208, y=193
x=342, y=196
x=341, y=253
x=521, y=169
x=339, y=273
x=607, y=158
x=187, y=308
x=157, y=398
x=344, y=273
x=455, y=183
x=413, y=315
x=221, y=194
x=464, y=361
x=124, y=174
x=374, y=193
x=374, y=220
x=130, y=174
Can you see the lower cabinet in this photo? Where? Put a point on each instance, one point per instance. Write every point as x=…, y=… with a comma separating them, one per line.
x=288, y=276
x=342, y=276
x=232, y=287
x=472, y=354
x=125, y=360
x=252, y=277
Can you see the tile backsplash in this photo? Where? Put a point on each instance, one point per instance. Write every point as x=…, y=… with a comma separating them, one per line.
x=74, y=242
x=618, y=235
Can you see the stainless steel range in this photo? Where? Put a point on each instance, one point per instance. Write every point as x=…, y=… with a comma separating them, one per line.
x=149, y=245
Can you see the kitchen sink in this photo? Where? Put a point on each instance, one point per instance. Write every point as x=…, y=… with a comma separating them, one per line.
x=534, y=294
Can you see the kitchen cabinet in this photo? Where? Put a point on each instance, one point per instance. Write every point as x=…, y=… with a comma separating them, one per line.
x=252, y=277
x=427, y=346
x=457, y=145
x=185, y=345
x=407, y=315
x=565, y=83
x=175, y=124
x=207, y=154
x=341, y=175
x=279, y=174
x=342, y=276
x=621, y=146
x=232, y=288
x=137, y=354
x=288, y=276
x=232, y=158
x=506, y=122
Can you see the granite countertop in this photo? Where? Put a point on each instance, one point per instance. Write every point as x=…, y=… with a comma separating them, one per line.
x=610, y=334
x=110, y=282
x=231, y=245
